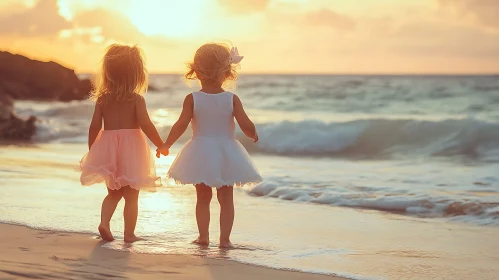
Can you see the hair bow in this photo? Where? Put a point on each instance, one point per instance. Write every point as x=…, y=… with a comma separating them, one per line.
x=235, y=58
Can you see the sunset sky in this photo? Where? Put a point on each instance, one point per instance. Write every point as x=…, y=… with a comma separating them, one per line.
x=275, y=36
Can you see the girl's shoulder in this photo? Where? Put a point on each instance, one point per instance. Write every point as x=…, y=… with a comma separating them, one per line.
x=138, y=98
x=100, y=100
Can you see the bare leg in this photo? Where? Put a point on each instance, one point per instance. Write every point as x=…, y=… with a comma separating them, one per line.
x=131, y=213
x=109, y=204
x=204, y=194
x=225, y=197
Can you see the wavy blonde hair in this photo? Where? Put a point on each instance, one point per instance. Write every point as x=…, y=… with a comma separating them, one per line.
x=123, y=74
x=212, y=64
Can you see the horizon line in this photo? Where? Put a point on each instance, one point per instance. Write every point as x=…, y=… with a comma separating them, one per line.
x=283, y=73
x=337, y=74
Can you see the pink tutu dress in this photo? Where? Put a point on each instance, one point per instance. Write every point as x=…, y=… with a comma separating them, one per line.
x=213, y=156
x=120, y=158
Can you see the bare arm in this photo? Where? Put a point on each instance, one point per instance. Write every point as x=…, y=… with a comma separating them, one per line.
x=246, y=125
x=146, y=124
x=182, y=123
x=95, y=125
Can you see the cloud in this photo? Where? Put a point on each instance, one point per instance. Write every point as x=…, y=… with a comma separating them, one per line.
x=244, y=6
x=43, y=19
x=316, y=18
x=428, y=34
x=112, y=25
x=396, y=41
x=327, y=17
x=483, y=11
x=83, y=35
x=430, y=39
x=100, y=25
x=87, y=24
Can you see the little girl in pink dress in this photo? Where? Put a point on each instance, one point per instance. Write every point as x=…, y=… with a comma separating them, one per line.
x=120, y=154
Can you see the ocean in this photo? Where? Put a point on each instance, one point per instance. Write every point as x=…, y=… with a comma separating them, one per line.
x=357, y=170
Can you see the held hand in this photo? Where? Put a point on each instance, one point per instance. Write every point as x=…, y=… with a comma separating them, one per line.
x=255, y=138
x=162, y=150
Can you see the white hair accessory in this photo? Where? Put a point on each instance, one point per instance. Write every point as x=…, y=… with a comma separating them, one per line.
x=235, y=58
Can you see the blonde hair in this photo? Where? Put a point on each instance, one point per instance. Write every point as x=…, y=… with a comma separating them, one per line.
x=123, y=74
x=212, y=63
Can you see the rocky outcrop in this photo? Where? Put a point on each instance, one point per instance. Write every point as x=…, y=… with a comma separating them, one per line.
x=11, y=126
x=24, y=78
x=152, y=88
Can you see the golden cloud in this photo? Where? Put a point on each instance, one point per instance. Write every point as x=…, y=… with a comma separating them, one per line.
x=245, y=6
x=41, y=20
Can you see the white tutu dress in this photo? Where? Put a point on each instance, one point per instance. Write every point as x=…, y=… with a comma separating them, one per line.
x=213, y=156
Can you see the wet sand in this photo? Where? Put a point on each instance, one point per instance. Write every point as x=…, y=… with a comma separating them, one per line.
x=36, y=254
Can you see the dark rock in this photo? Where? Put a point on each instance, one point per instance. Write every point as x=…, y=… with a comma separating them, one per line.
x=27, y=79
x=152, y=88
x=13, y=89
x=6, y=106
x=86, y=86
x=17, y=129
x=13, y=127
x=24, y=78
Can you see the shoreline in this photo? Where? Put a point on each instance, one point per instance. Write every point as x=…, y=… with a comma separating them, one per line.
x=39, y=254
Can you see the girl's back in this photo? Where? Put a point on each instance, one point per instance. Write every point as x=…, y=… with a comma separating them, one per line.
x=213, y=115
x=120, y=114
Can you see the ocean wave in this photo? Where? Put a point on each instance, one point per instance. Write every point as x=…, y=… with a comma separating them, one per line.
x=362, y=138
x=53, y=131
x=379, y=137
x=474, y=210
x=367, y=138
x=54, y=109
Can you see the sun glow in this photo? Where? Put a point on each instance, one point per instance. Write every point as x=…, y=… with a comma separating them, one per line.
x=168, y=18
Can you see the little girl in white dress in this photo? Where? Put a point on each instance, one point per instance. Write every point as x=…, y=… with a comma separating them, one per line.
x=213, y=158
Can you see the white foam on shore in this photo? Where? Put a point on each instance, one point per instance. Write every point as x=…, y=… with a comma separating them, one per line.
x=480, y=210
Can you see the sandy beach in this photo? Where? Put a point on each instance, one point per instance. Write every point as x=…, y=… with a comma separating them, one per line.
x=36, y=254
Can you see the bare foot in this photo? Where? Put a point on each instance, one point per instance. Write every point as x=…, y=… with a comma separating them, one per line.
x=105, y=233
x=133, y=238
x=226, y=245
x=202, y=241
